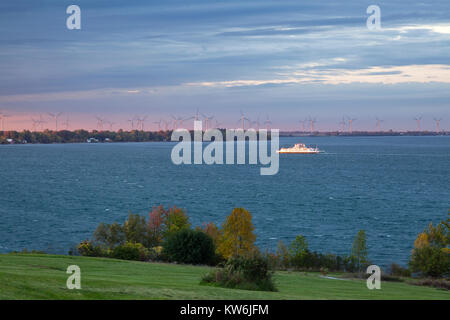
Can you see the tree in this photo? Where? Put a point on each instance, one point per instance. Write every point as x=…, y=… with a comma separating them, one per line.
x=189, y=246
x=155, y=226
x=176, y=219
x=431, y=254
x=212, y=230
x=359, y=250
x=283, y=254
x=238, y=237
x=135, y=229
x=298, y=252
x=108, y=235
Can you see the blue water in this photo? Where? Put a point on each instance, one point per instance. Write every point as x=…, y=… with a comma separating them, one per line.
x=53, y=196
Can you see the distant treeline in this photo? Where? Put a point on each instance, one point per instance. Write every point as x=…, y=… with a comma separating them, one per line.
x=65, y=136
x=78, y=136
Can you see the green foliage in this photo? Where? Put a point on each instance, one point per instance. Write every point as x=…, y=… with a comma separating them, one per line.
x=109, y=235
x=431, y=254
x=399, y=271
x=135, y=229
x=87, y=248
x=161, y=224
x=430, y=261
x=283, y=255
x=298, y=251
x=250, y=272
x=77, y=136
x=189, y=246
x=130, y=251
x=359, y=251
x=176, y=219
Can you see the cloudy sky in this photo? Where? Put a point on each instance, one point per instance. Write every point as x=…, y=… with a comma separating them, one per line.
x=285, y=59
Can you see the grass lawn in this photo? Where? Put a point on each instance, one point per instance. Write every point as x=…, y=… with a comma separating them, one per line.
x=33, y=276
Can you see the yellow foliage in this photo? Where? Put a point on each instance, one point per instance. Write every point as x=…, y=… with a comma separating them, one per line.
x=421, y=241
x=238, y=237
x=158, y=249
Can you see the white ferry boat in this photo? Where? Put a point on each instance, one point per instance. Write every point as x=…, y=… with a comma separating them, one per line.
x=299, y=148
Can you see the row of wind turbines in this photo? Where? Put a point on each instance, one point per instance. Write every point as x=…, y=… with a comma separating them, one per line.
x=209, y=122
x=176, y=122
x=349, y=122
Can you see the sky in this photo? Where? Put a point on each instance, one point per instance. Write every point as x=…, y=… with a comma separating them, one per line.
x=285, y=60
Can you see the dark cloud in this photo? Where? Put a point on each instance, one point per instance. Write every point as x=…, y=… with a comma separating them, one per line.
x=127, y=44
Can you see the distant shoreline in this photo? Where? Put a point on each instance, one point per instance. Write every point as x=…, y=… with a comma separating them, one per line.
x=83, y=136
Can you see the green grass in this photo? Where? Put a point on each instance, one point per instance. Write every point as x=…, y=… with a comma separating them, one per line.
x=32, y=276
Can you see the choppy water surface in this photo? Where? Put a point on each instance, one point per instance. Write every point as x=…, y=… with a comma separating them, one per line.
x=53, y=196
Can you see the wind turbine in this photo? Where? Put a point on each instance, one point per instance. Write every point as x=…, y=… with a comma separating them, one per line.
x=177, y=121
x=4, y=118
x=131, y=121
x=256, y=123
x=196, y=117
x=243, y=119
x=41, y=122
x=111, y=124
x=207, y=121
x=55, y=117
x=141, y=122
x=418, y=119
x=350, y=124
x=158, y=123
x=311, y=124
x=35, y=123
x=100, y=122
x=66, y=123
x=267, y=123
x=437, y=123
x=379, y=121
x=342, y=123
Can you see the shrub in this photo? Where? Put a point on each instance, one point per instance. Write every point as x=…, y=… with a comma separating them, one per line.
x=350, y=263
x=430, y=261
x=436, y=283
x=399, y=271
x=431, y=255
x=250, y=272
x=87, y=248
x=130, y=251
x=189, y=246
